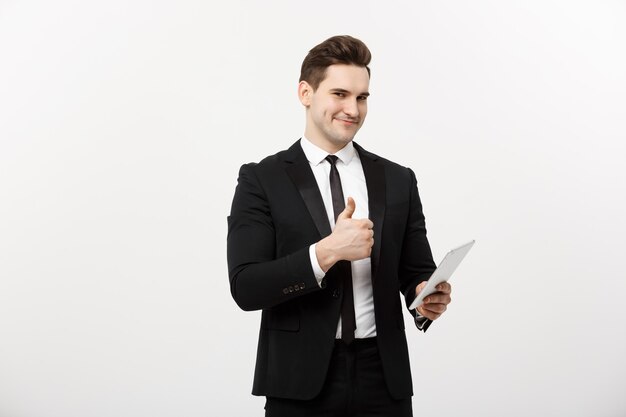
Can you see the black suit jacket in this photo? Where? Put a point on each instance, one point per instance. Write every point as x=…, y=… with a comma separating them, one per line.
x=277, y=213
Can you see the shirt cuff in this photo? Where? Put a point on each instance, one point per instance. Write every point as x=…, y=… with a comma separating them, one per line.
x=420, y=321
x=317, y=269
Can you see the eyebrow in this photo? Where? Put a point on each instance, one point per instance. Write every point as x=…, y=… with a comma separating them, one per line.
x=341, y=90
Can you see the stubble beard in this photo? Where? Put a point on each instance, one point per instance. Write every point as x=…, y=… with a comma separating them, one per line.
x=338, y=136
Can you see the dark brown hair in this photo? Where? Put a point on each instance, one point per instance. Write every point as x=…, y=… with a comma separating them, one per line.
x=336, y=50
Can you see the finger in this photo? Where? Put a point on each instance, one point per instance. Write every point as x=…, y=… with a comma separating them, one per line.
x=444, y=287
x=431, y=316
x=349, y=210
x=427, y=313
x=438, y=298
x=435, y=308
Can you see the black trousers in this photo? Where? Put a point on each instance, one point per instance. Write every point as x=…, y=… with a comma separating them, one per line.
x=355, y=386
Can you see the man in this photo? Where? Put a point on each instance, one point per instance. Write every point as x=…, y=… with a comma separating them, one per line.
x=321, y=237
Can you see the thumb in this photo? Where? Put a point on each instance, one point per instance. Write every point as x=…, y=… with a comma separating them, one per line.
x=420, y=287
x=349, y=210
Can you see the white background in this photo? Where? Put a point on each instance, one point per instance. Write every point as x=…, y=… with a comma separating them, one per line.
x=122, y=128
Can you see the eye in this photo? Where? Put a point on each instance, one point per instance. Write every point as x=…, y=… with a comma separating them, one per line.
x=339, y=94
x=362, y=98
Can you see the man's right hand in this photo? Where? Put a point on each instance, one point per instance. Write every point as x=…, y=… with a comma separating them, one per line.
x=351, y=240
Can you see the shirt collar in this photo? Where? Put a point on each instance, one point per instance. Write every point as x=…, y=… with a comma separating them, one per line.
x=317, y=155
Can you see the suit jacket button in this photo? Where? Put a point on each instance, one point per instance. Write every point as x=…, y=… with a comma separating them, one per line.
x=285, y=290
x=335, y=293
x=290, y=288
x=302, y=285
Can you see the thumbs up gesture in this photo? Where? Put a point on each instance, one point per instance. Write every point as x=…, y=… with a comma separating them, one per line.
x=348, y=211
x=351, y=240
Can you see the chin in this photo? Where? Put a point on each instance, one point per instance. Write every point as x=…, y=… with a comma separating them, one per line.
x=345, y=137
x=344, y=140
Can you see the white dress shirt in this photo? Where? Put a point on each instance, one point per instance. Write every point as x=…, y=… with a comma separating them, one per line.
x=353, y=185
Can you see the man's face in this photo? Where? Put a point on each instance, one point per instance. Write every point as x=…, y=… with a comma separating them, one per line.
x=337, y=109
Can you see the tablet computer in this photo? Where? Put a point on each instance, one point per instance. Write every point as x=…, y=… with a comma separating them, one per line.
x=443, y=272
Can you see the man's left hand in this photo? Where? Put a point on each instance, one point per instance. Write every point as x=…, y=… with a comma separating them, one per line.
x=436, y=303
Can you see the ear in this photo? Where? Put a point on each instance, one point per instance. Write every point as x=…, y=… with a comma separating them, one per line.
x=304, y=93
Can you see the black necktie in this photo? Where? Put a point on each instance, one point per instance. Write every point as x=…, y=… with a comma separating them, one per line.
x=348, y=320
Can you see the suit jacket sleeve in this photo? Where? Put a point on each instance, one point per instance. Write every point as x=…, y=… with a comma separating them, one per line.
x=416, y=263
x=258, y=278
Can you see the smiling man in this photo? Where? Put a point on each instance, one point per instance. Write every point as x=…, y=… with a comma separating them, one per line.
x=324, y=237
x=336, y=106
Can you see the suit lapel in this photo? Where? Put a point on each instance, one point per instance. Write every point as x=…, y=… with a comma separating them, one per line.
x=299, y=169
x=375, y=179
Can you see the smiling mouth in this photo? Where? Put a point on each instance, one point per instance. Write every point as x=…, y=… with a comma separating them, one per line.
x=346, y=121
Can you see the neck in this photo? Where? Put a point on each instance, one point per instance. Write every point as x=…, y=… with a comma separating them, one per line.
x=322, y=143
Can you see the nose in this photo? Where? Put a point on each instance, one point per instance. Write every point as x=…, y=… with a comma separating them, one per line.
x=351, y=108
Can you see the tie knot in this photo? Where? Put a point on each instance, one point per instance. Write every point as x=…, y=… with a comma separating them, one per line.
x=332, y=159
